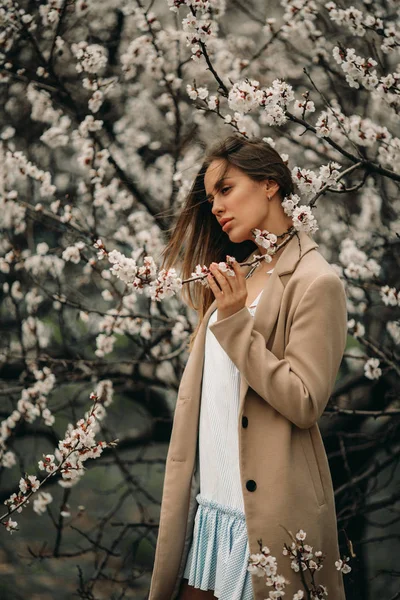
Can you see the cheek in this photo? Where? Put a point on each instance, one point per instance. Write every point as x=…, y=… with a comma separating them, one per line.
x=254, y=205
x=259, y=201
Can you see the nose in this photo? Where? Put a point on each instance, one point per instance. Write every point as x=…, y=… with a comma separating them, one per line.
x=217, y=208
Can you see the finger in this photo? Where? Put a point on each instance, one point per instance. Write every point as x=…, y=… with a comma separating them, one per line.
x=240, y=276
x=213, y=285
x=222, y=279
x=233, y=277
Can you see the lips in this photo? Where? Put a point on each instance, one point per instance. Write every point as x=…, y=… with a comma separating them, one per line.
x=224, y=222
x=227, y=225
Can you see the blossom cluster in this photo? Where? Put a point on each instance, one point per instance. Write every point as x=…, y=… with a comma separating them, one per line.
x=73, y=253
x=43, y=111
x=390, y=296
x=200, y=273
x=18, y=167
x=198, y=31
x=356, y=262
x=302, y=216
x=360, y=72
x=143, y=279
x=164, y=284
x=362, y=131
x=247, y=95
x=359, y=23
x=199, y=25
x=357, y=328
x=263, y=564
x=31, y=405
x=372, y=369
x=140, y=53
x=13, y=19
x=302, y=557
x=77, y=446
x=361, y=268
x=299, y=17
x=265, y=240
x=91, y=58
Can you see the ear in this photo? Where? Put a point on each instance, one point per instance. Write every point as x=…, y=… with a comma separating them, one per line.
x=272, y=187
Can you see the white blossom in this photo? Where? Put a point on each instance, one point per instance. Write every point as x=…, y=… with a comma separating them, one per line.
x=267, y=240
x=372, y=369
x=92, y=58
x=356, y=261
x=104, y=344
x=393, y=327
x=11, y=525
x=245, y=96
x=290, y=203
x=357, y=327
x=341, y=565
x=390, y=296
x=8, y=460
x=72, y=254
x=29, y=484
x=357, y=69
x=41, y=501
x=48, y=463
x=304, y=220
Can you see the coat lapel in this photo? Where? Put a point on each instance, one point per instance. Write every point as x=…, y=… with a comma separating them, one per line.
x=268, y=306
x=267, y=310
x=265, y=317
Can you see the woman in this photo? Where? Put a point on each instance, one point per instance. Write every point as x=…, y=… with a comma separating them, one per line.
x=246, y=458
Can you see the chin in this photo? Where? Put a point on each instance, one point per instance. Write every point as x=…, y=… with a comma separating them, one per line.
x=237, y=238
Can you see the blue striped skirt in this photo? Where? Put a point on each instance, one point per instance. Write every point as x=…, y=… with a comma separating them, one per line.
x=218, y=556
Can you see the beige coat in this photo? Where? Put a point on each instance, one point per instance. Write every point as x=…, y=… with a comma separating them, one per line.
x=288, y=355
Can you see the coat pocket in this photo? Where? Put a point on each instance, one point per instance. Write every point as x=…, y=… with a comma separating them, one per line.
x=309, y=452
x=179, y=442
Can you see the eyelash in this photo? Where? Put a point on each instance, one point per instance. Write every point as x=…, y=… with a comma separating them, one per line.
x=227, y=187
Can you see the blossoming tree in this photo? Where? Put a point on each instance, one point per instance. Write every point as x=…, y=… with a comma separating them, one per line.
x=105, y=111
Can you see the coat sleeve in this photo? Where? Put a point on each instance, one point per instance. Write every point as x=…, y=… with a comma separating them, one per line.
x=299, y=385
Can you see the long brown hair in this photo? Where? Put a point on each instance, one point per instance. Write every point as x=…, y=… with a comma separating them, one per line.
x=197, y=238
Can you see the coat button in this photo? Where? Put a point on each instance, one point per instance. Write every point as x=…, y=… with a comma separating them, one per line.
x=251, y=485
x=245, y=422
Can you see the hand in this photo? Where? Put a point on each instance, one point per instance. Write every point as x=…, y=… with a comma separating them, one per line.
x=231, y=295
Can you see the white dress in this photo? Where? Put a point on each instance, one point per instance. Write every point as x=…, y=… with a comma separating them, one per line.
x=219, y=418
x=218, y=556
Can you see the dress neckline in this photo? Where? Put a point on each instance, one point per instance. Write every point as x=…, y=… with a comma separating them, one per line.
x=254, y=303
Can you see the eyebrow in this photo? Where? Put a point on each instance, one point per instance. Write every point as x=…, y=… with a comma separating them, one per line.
x=218, y=186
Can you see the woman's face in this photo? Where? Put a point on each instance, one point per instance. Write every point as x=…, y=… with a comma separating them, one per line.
x=239, y=198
